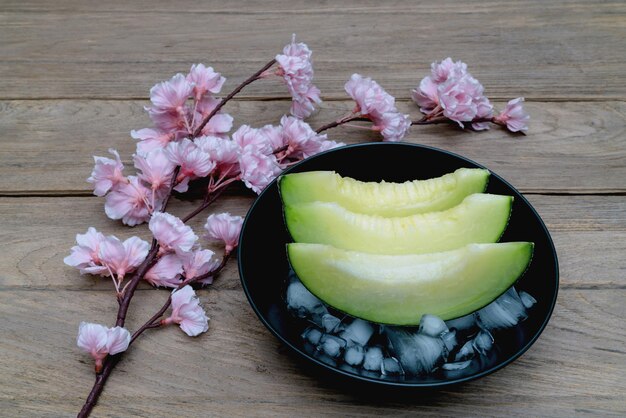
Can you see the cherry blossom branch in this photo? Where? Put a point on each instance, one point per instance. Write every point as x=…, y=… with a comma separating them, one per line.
x=151, y=323
x=151, y=258
x=141, y=271
x=350, y=118
x=211, y=197
x=442, y=119
x=232, y=94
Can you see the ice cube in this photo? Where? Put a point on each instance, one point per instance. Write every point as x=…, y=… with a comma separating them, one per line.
x=504, y=312
x=449, y=341
x=527, y=299
x=483, y=342
x=354, y=355
x=418, y=353
x=359, y=332
x=463, y=323
x=456, y=366
x=432, y=326
x=391, y=366
x=373, y=358
x=303, y=303
x=332, y=345
x=330, y=322
x=466, y=352
x=312, y=335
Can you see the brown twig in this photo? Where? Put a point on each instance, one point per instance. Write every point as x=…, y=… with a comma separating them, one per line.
x=221, y=104
x=336, y=123
x=205, y=204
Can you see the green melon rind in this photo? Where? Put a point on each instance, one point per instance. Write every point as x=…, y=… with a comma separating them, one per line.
x=480, y=218
x=398, y=290
x=384, y=199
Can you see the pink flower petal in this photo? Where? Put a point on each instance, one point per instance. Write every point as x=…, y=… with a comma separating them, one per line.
x=171, y=233
x=166, y=272
x=225, y=228
x=106, y=174
x=118, y=339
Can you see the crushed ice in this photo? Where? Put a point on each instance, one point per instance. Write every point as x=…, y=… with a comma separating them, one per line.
x=355, y=344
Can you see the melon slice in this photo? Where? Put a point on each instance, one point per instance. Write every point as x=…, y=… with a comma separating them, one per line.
x=480, y=218
x=399, y=289
x=384, y=199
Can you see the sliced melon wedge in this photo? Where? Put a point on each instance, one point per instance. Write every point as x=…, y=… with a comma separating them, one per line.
x=384, y=199
x=399, y=289
x=480, y=218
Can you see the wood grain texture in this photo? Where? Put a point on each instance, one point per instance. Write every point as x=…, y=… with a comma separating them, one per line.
x=74, y=76
x=238, y=368
x=38, y=232
x=571, y=147
x=561, y=50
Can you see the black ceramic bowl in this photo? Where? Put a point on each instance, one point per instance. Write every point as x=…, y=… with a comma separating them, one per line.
x=263, y=264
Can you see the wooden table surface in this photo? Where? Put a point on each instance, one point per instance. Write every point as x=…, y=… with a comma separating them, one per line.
x=74, y=76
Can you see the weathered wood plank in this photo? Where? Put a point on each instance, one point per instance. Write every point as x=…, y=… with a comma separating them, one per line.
x=238, y=367
x=589, y=234
x=89, y=50
x=571, y=147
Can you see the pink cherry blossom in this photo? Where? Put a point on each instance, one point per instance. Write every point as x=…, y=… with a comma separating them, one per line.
x=252, y=140
x=193, y=161
x=151, y=139
x=120, y=257
x=514, y=116
x=304, y=101
x=169, y=109
x=225, y=228
x=92, y=338
x=129, y=202
x=199, y=262
x=166, y=272
x=459, y=98
x=301, y=140
x=171, y=233
x=187, y=312
x=171, y=95
x=118, y=340
x=85, y=255
x=258, y=170
x=426, y=95
x=100, y=341
x=297, y=71
x=451, y=91
x=155, y=169
x=224, y=152
x=219, y=125
x=274, y=136
x=442, y=71
x=484, y=111
x=393, y=126
x=373, y=102
x=205, y=80
x=106, y=174
x=371, y=99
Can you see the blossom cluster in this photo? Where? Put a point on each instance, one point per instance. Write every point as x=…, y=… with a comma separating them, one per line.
x=375, y=104
x=100, y=341
x=180, y=258
x=452, y=92
x=296, y=69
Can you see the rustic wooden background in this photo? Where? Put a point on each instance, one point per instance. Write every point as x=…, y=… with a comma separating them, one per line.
x=74, y=76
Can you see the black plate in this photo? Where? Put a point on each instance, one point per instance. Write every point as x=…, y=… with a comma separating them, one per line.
x=263, y=264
